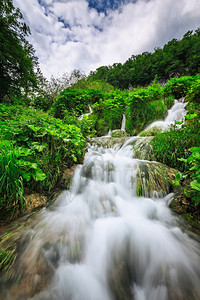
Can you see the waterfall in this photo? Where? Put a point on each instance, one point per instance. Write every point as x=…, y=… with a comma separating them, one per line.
x=90, y=112
x=123, y=123
x=103, y=242
x=176, y=113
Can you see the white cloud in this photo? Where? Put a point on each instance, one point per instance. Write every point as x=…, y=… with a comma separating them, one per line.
x=68, y=34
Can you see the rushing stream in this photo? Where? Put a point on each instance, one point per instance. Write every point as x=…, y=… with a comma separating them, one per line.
x=101, y=241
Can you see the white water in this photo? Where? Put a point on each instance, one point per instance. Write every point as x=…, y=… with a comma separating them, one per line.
x=90, y=112
x=176, y=113
x=123, y=123
x=106, y=243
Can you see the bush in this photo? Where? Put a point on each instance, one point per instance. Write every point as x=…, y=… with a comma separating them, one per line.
x=52, y=145
x=112, y=110
x=16, y=167
x=179, y=87
x=43, y=103
x=74, y=100
x=144, y=105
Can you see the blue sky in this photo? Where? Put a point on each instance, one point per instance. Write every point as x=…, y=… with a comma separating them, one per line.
x=86, y=34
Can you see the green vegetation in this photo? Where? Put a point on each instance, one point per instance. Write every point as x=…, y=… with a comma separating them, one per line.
x=34, y=150
x=145, y=105
x=36, y=145
x=17, y=60
x=177, y=58
x=180, y=148
x=73, y=100
x=42, y=132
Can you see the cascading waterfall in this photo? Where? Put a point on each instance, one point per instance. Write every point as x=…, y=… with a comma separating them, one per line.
x=176, y=113
x=102, y=242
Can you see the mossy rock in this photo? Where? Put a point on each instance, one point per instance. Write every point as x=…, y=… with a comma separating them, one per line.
x=151, y=131
x=108, y=142
x=184, y=207
x=154, y=179
x=67, y=177
x=143, y=149
x=119, y=133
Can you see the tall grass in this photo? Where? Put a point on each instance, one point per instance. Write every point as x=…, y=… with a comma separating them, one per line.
x=11, y=181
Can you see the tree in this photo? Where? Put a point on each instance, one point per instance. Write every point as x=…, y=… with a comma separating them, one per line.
x=177, y=58
x=17, y=60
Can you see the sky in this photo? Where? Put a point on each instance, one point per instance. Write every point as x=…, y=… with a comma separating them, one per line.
x=87, y=34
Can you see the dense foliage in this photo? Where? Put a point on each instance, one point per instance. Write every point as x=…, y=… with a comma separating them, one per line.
x=145, y=105
x=74, y=100
x=17, y=60
x=177, y=58
x=43, y=133
x=34, y=149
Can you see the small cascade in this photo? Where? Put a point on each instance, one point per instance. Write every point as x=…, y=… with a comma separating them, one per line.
x=176, y=113
x=123, y=126
x=120, y=132
x=110, y=236
x=108, y=134
x=87, y=114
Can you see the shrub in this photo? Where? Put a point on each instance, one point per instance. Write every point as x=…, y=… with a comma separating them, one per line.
x=74, y=100
x=53, y=145
x=16, y=166
x=179, y=87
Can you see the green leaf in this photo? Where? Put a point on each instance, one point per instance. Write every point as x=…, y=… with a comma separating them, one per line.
x=74, y=158
x=177, y=179
x=26, y=175
x=35, y=129
x=66, y=140
x=187, y=193
x=195, y=149
x=39, y=175
x=39, y=147
x=183, y=159
x=33, y=166
x=195, y=185
x=190, y=116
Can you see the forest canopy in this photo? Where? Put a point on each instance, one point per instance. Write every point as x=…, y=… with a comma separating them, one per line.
x=17, y=59
x=177, y=58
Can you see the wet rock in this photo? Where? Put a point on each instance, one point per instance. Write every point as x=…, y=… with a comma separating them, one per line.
x=181, y=205
x=154, y=179
x=119, y=134
x=142, y=148
x=67, y=177
x=108, y=142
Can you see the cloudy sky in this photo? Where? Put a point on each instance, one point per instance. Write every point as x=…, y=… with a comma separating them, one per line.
x=86, y=34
